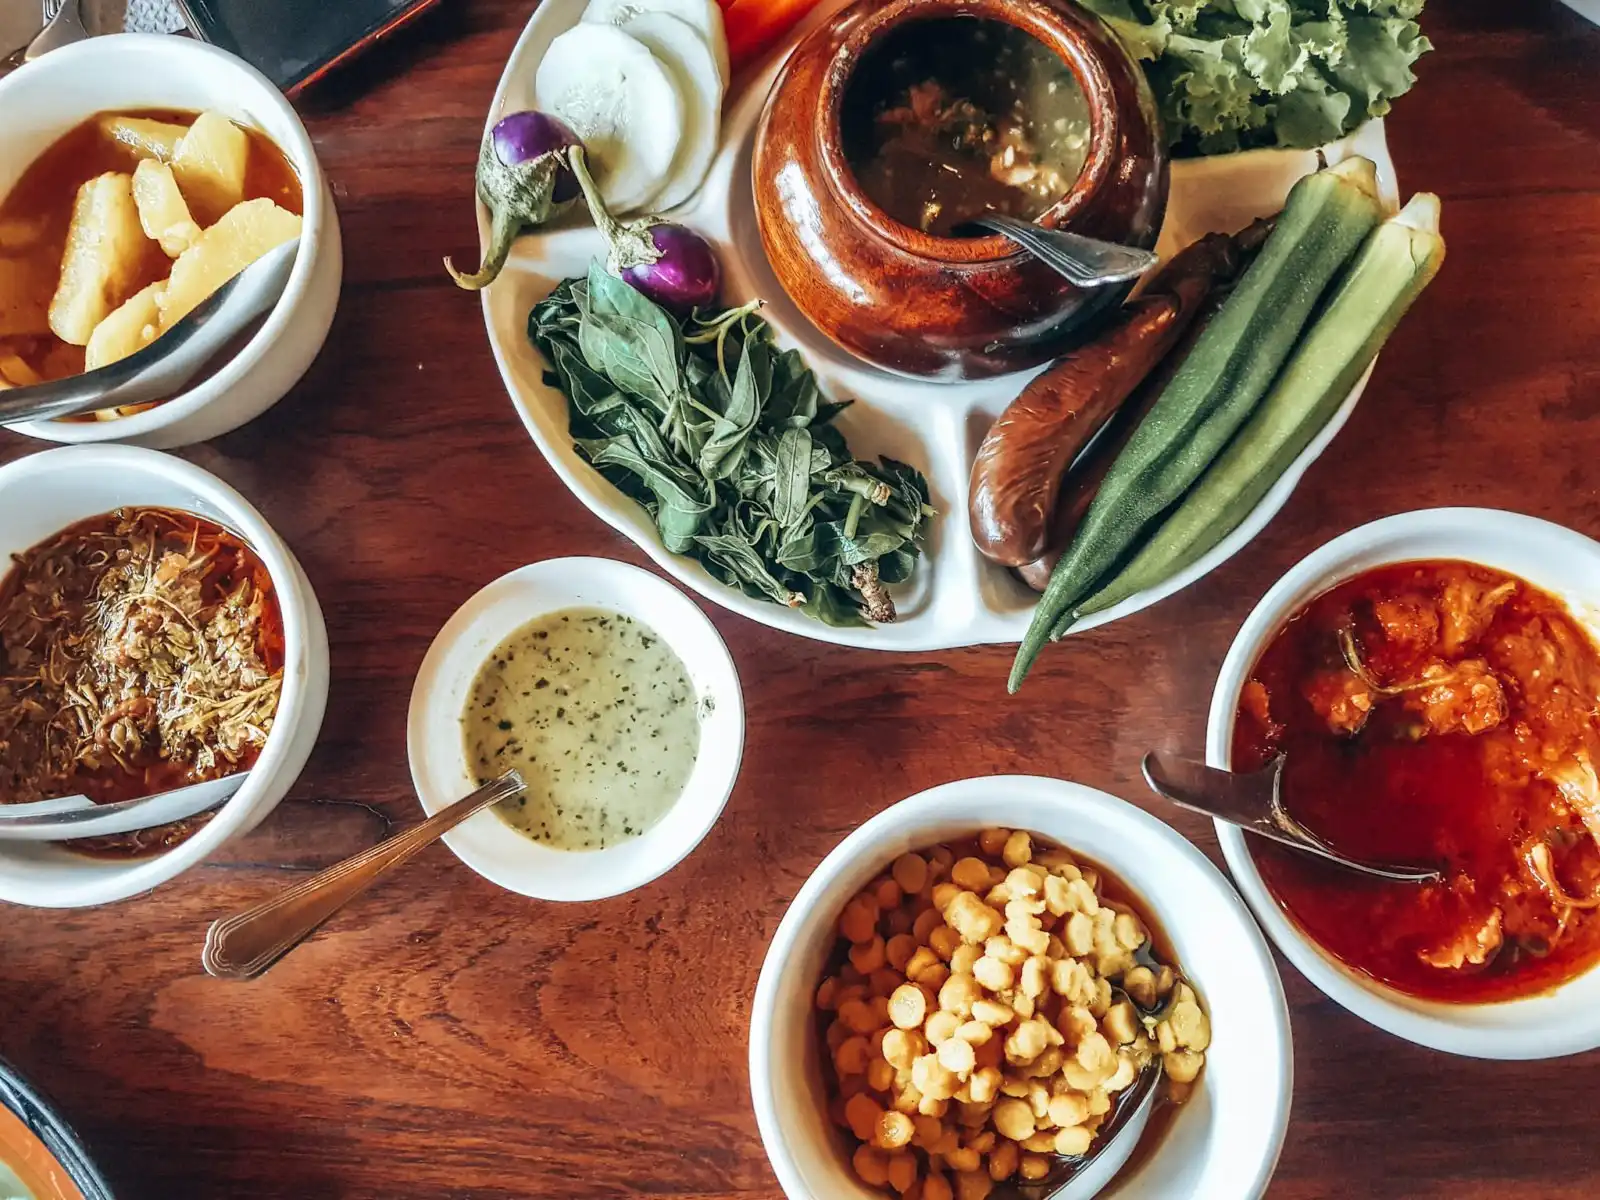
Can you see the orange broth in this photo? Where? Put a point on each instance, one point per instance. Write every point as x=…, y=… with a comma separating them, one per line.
x=46, y=192
x=1461, y=774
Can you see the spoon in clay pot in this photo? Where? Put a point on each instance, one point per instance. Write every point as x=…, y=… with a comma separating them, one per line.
x=1085, y=261
x=1253, y=801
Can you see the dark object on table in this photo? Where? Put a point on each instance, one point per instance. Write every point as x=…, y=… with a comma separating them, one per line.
x=294, y=43
x=39, y=1118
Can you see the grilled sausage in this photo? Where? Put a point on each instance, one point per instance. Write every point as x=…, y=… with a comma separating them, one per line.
x=1084, y=477
x=1016, y=476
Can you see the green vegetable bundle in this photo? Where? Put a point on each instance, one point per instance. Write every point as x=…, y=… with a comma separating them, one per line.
x=729, y=445
x=1234, y=74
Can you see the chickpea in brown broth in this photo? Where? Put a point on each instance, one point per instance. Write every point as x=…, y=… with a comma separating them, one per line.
x=989, y=1001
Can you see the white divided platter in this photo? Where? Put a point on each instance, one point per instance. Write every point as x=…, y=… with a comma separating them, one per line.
x=956, y=597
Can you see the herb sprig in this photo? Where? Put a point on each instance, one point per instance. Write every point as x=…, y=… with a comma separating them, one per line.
x=731, y=447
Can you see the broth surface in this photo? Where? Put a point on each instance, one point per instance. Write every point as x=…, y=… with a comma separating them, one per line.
x=1483, y=767
x=951, y=119
x=600, y=717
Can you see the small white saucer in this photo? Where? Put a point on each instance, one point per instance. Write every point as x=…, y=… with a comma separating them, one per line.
x=438, y=760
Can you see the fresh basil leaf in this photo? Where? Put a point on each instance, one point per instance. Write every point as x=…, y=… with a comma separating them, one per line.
x=740, y=559
x=683, y=506
x=791, y=476
x=724, y=451
x=835, y=606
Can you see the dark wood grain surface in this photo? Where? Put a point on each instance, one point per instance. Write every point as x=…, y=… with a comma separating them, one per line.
x=445, y=1038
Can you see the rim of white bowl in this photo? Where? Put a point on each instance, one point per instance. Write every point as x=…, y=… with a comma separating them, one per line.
x=1512, y=1029
x=862, y=843
x=146, y=873
x=627, y=865
x=301, y=154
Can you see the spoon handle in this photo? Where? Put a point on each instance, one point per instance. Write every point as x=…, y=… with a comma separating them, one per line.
x=246, y=944
x=159, y=370
x=1251, y=800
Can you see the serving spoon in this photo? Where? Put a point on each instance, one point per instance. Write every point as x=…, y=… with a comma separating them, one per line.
x=65, y=817
x=246, y=944
x=161, y=369
x=1085, y=261
x=1094, y=1170
x=1253, y=800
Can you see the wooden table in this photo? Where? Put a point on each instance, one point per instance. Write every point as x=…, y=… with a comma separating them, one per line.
x=447, y=1038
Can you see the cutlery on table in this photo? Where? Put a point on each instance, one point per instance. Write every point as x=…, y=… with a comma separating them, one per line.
x=246, y=944
x=161, y=369
x=1253, y=800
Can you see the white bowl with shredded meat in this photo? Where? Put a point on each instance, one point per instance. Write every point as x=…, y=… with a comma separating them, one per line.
x=1223, y=1141
x=1560, y=1021
x=43, y=495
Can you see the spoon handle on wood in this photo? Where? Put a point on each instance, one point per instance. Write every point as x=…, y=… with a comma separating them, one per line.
x=246, y=944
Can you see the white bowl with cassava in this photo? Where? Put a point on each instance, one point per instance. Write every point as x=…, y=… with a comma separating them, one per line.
x=44, y=495
x=231, y=172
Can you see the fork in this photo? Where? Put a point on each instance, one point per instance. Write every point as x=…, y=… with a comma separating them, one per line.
x=60, y=27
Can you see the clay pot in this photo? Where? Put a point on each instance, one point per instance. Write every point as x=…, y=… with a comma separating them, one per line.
x=948, y=308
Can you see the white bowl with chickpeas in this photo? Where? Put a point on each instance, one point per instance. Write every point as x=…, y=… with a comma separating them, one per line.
x=969, y=982
x=194, y=195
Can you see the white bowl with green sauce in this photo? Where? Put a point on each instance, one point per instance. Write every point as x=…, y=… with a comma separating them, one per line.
x=613, y=695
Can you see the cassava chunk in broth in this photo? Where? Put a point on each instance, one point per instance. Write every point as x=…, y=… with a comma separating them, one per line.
x=1441, y=713
x=102, y=215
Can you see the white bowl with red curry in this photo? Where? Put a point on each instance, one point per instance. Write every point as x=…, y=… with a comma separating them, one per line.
x=138, y=173
x=1433, y=682
x=154, y=632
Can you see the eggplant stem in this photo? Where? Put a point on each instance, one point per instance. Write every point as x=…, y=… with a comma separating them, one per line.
x=503, y=230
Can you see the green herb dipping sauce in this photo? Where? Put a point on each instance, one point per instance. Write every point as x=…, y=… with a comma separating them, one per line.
x=600, y=717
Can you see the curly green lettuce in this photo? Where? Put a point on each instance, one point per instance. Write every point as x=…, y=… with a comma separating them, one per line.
x=1236, y=74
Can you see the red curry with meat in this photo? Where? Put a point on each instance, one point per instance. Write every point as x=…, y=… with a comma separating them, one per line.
x=1445, y=714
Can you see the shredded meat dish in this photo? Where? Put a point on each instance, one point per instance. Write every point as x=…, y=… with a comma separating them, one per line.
x=139, y=651
x=1444, y=714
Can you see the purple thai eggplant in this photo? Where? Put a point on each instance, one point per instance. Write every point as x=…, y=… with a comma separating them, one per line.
x=671, y=264
x=523, y=180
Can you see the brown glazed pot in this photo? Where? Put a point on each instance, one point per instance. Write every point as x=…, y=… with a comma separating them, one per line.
x=947, y=308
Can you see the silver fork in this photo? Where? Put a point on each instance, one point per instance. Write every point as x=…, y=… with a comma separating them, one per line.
x=60, y=27
x=62, y=23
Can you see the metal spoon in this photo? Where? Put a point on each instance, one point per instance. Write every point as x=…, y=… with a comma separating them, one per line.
x=1085, y=261
x=61, y=28
x=246, y=944
x=1095, y=1170
x=66, y=817
x=1253, y=800
x=161, y=369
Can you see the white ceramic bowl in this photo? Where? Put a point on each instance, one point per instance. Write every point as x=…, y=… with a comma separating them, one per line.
x=49, y=96
x=1564, y=563
x=43, y=494
x=1223, y=1144
x=439, y=766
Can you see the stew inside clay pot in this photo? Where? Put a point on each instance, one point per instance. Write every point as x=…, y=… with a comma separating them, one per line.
x=894, y=123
